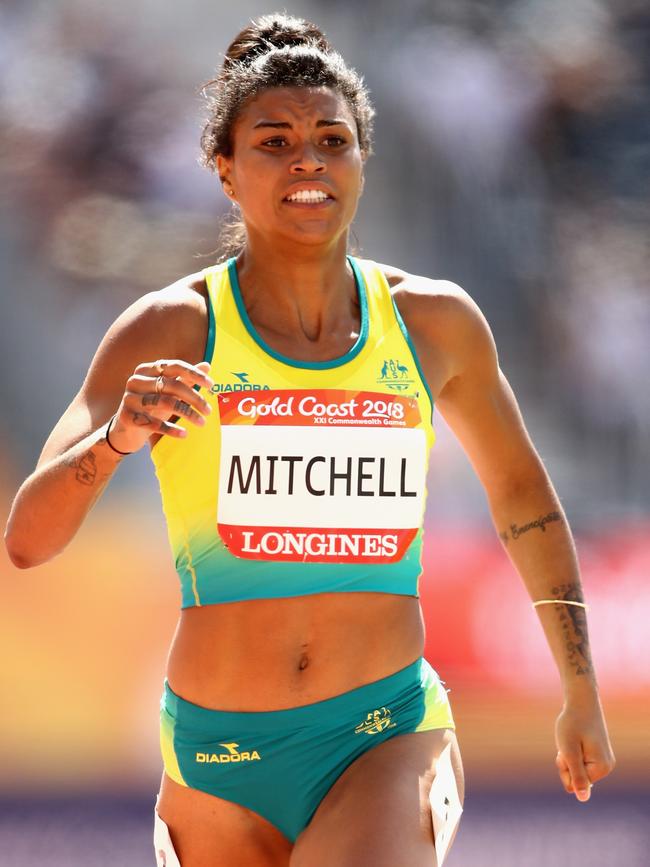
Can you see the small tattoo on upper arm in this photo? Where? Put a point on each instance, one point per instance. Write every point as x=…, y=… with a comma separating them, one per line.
x=539, y=523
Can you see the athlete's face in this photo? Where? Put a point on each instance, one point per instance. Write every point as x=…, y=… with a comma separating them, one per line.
x=296, y=170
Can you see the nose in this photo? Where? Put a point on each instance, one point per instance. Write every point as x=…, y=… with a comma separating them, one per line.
x=307, y=160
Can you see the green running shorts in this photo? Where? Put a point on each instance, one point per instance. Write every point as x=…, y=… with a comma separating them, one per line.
x=282, y=763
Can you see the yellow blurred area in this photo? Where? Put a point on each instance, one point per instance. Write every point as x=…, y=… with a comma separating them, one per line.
x=84, y=641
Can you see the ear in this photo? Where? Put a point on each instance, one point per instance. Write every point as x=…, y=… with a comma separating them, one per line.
x=224, y=169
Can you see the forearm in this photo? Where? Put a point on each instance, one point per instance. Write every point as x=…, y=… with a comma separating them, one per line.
x=535, y=533
x=52, y=503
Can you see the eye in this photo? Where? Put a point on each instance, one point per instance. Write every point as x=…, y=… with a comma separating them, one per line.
x=334, y=141
x=275, y=142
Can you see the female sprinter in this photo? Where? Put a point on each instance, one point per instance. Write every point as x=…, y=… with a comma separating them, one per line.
x=286, y=396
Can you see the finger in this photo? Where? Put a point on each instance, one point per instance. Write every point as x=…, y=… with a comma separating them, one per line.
x=600, y=767
x=168, y=428
x=580, y=782
x=158, y=390
x=192, y=374
x=153, y=424
x=157, y=407
x=563, y=771
x=174, y=406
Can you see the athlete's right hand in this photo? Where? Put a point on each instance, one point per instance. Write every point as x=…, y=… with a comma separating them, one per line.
x=156, y=392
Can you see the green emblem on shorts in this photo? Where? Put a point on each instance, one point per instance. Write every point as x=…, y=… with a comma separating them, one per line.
x=376, y=722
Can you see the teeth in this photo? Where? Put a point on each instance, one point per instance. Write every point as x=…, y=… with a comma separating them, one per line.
x=308, y=196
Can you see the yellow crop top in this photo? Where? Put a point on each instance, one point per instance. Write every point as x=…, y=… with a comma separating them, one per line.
x=308, y=477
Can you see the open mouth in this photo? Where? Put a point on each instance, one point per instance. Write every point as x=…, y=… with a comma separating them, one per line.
x=308, y=197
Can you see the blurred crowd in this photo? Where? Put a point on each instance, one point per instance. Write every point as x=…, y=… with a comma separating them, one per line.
x=512, y=157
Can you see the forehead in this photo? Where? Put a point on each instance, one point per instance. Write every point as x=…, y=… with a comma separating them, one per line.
x=296, y=105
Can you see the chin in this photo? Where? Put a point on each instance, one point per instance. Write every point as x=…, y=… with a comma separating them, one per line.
x=313, y=231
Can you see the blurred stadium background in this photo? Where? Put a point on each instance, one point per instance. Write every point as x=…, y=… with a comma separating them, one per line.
x=513, y=157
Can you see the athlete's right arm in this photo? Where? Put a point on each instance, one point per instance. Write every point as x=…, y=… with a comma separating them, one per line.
x=123, y=390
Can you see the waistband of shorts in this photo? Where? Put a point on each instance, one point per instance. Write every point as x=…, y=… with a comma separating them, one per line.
x=370, y=695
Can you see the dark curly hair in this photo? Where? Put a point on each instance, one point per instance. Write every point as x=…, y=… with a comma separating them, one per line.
x=278, y=51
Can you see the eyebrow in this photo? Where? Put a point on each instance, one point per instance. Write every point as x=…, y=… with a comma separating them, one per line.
x=285, y=125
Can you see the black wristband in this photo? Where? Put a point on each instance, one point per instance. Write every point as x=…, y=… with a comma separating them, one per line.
x=110, y=444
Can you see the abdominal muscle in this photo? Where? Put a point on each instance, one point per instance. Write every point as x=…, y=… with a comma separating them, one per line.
x=269, y=654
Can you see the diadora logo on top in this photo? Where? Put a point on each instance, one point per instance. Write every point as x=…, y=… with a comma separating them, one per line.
x=233, y=755
x=376, y=722
x=242, y=384
x=395, y=375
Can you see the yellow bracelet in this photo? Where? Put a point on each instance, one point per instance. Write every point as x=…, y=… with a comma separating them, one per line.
x=560, y=602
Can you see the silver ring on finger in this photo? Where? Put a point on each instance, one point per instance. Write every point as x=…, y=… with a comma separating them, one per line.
x=160, y=384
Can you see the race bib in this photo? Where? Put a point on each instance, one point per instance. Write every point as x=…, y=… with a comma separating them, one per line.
x=323, y=476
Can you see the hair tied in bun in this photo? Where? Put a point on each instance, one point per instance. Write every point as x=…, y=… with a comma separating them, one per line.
x=271, y=32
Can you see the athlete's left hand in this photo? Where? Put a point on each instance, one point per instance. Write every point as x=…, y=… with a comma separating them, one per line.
x=584, y=753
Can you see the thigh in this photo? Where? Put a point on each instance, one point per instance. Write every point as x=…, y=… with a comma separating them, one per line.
x=377, y=814
x=207, y=831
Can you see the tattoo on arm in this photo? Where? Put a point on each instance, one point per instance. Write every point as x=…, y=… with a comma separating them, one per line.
x=86, y=468
x=574, y=626
x=539, y=523
x=87, y=472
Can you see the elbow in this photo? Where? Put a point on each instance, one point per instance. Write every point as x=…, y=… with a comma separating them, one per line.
x=520, y=484
x=21, y=562
x=18, y=555
x=18, y=558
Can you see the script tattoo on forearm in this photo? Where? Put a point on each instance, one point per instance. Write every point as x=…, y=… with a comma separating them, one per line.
x=515, y=531
x=573, y=619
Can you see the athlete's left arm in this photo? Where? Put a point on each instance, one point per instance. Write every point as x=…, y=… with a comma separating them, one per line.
x=476, y=400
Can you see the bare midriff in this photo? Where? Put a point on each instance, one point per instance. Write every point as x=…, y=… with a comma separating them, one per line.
x=269, y=654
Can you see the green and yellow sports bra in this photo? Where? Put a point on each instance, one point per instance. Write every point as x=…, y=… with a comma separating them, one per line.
x=308, y=476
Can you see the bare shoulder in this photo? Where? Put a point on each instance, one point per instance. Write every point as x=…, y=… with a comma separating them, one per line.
x=438, y=310
x=170, y=322
x=423, y=296
x=442, y=318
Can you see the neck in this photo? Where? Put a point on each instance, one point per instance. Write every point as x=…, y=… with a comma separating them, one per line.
x=305, y=291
